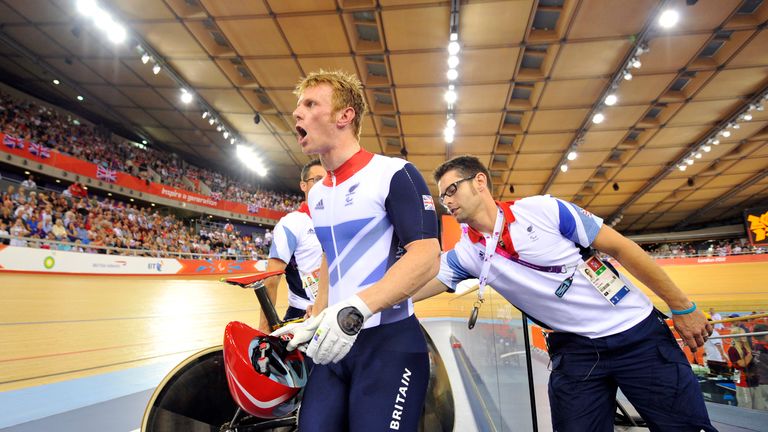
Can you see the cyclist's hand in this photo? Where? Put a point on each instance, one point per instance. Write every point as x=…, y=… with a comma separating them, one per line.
x=309, y=312
x=337, y=330
x=302, y=331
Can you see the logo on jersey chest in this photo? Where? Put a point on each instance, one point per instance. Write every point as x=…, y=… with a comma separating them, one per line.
x=350, y=194
x=319, y=205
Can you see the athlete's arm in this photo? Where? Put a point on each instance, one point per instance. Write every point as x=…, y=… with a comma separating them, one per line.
x=412, y=213
x=418, y=266
x=321, y=301
x=692, y=327
x=431, y=289
x=270, y=284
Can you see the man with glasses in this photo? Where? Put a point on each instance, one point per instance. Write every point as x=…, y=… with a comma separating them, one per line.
x=535, y=252
x=296, y=249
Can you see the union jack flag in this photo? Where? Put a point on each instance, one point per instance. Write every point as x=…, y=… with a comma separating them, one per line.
x=216, y=196
x=106, y=174
x=39, y=150
x=253, y=208
x=13, y=142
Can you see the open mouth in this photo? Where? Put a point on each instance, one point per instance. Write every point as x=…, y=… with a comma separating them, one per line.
x=302, y=132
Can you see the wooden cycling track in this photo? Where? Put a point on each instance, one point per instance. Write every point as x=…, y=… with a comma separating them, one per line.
x=55, y=327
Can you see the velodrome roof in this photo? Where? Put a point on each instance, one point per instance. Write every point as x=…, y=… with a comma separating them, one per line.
x=532, y=75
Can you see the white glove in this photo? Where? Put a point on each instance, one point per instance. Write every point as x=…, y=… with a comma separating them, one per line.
x=333, y=331
x=338, y=329
x=301, y=331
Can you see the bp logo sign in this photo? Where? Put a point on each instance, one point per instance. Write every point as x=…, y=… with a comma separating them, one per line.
x=49, y=262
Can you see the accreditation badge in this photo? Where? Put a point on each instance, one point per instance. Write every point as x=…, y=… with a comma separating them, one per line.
x=605, y=281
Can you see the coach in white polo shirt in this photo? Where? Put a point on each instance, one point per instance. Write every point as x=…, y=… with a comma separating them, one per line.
x=607, y=334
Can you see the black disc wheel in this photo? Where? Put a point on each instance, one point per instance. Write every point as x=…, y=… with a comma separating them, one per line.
x=195, y=397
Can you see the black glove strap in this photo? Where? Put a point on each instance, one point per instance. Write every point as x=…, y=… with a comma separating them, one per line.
x=350, y=320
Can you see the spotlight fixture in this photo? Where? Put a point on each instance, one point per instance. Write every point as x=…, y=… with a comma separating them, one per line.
x=145, y=58
x=707, y=149
x=156, y=69
x=682, y=167
x=564, y=167
x=697, y=156
x=205, y=114
x=598, y=118
x=689, y=161
x=611, y=99
x=572, y=155
x=226, y=134
x=747, y=117
x=57, y=82
x=669, y=18
x=451, y=123
x=80, y=98
x=453, y=48
x=635, y=63
x=186, y=96
x=211, y=121
x=450, y=96
x=627, y=75
x=452, y=74
x=453, y=61
x=725, y=133
x=144, y=142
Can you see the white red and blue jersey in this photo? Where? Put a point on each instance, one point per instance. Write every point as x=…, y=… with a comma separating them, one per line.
x=545, y=231
x=294, y=242
x=365, y=212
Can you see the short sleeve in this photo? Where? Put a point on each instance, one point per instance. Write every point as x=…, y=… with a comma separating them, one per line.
x=410, y=207
x=451, y=270
x=577, y=224
x=284, y=242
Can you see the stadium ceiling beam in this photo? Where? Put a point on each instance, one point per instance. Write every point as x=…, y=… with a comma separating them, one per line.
x=712, y=135
x=639, y=46
x=8, y=40
x=722, y=198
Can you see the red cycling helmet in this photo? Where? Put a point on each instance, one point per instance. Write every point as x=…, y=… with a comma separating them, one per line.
x=264, y=378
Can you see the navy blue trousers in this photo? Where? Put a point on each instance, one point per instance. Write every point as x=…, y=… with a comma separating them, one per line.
x=380, y=385
x=645, y=362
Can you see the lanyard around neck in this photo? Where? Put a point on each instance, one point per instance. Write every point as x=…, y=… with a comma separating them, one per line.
x=490, y=249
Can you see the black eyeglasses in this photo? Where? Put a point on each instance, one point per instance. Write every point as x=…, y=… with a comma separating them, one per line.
x=314, y=179
x=453, y=187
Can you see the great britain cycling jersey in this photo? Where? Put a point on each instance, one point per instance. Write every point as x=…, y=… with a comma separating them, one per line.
x=364, y=213
x=294, y=242
x=543, y=231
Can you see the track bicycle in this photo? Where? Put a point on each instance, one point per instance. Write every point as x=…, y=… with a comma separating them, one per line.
x=195, y=395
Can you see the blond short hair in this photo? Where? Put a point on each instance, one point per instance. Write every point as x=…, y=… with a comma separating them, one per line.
x=347, y=92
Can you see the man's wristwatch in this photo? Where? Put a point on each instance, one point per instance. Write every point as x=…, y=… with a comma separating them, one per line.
x=350, y=320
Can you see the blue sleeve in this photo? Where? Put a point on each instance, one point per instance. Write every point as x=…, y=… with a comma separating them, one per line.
x=451, y=271
x=410, y=207
x=577, y=224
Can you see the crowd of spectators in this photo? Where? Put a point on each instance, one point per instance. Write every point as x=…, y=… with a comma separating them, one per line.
x=72, y=221
x=60, y=132
x=708, y=248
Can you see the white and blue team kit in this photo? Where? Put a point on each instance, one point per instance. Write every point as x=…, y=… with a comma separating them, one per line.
x=599, y=343
x=365, y=213
x=294, y=242
x=544, y=231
